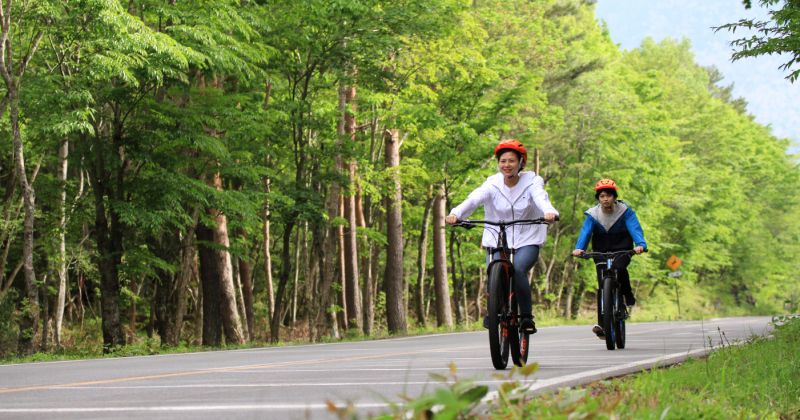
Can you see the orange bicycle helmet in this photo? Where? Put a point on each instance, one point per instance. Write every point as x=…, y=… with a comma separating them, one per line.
x=511, y=144
x=605, y=184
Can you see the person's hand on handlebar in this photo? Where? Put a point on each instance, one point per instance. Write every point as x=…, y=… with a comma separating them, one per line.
x=577, y=252
x=638, y=249
x=550, y=217
x=450, y=219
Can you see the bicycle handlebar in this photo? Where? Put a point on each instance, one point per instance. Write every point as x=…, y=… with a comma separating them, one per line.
x=612, y=254
x=469, y=224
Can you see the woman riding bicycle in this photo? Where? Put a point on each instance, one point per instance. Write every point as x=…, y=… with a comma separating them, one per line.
x=512, y=194
x=612, y=226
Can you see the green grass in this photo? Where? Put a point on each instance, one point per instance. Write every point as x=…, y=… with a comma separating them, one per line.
x=759, y=379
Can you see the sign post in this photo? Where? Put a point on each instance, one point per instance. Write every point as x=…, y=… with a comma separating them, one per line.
x=673, y=262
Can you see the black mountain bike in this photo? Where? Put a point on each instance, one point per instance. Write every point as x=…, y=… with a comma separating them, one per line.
x=503, y=312
x=611, y=309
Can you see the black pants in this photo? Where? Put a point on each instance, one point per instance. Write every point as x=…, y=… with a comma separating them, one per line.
x=621, y=265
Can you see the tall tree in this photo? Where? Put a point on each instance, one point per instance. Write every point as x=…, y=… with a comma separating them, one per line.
x=12, y=69
x=444, y=313
x=350, y=252
x=231, y=321
x=393, y=275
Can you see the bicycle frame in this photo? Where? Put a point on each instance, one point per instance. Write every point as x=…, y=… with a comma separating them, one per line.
x=611, y=314
x=504, y=320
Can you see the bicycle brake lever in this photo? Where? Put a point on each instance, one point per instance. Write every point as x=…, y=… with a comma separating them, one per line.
x=464, y=224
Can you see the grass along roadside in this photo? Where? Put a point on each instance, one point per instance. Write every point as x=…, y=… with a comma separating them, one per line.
x=760, y=379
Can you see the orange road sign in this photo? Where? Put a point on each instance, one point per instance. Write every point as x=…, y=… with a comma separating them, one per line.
x=673, y=262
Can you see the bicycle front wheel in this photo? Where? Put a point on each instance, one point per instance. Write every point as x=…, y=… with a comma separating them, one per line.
x=518, y=340
x=497, y=309
x=608, y=306
x=619, y=318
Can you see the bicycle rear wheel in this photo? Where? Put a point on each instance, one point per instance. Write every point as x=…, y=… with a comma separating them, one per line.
x=609, y=326
x=497, y=309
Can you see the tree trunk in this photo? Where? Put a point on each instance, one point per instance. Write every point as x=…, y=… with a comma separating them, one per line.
x=45, y=344
x=246, y=276
x=108, y=236
x=283, y=279
x=343, y=285
x=422, y=260
x=579, y=291
x=178, y=297
x=370, y=262
x=463, y=290
x=354, y=305
x=29, y=321
x=238, y=288
x=369, y=286
x=324, y=245
x=296, y=280
x=63, y=152
x=457, y=280
x=267, y=255
x=230, y=315
x=444, y=314
x=393, y=274
x=210, y=284
x=7, y=235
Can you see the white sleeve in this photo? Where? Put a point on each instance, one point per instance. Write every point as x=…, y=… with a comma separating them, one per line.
x=540, y=196
x=477, y=197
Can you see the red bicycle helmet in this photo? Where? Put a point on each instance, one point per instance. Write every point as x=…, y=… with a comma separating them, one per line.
x=605, y=184
x=511, y=144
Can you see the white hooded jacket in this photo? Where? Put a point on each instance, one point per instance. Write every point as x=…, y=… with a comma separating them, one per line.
x=526, y=200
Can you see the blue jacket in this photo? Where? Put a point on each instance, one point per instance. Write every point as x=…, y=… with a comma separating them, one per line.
x=621, y=231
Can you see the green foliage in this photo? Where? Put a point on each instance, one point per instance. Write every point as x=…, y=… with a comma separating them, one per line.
x=755, y=380
x=455, y=399
x=9, y=329
x=778, y=35
x=156, y=98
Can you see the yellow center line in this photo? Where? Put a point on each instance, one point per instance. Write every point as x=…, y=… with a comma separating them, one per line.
x=225, y=369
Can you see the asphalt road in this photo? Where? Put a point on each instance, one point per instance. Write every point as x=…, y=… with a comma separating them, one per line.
x=297, y=382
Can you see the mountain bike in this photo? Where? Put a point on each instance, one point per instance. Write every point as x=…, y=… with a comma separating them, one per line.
x=611, y=309
x=503, y=312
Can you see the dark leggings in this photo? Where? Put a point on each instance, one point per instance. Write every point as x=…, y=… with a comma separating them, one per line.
x=524, y=259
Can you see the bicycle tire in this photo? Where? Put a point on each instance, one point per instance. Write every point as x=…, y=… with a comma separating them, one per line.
x=520, y=346
x=608, y=313
x=519, y=341
x=496, y=307
x=620, y=322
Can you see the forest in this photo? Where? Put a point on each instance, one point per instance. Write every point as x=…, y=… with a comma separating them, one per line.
x=222, y=172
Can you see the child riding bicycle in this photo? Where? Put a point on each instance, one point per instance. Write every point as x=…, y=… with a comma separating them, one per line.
x=612, y=226
x=512, y=194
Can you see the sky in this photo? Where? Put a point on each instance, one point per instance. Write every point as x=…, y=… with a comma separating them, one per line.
x=769, y=95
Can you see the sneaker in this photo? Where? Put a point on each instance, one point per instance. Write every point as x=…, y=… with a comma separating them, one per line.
x=527, y=326
x=629, y=299
x=598, y=331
